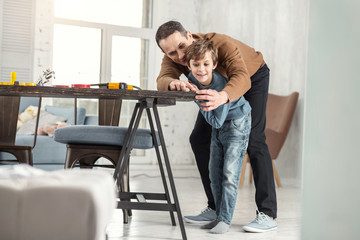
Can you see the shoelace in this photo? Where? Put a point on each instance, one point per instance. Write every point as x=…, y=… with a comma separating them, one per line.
x=205, y=210
x=260, y=217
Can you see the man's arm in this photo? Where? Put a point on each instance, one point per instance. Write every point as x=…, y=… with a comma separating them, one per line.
x=213, y=97
x=232, y=65
x=239, y=80
x=169, y=75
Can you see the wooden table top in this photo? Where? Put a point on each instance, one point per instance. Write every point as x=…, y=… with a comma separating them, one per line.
x=64, y=92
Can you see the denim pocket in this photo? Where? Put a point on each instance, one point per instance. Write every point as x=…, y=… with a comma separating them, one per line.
x=242, y=124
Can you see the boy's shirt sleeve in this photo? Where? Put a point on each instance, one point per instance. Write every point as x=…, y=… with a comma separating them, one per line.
x=216, y=117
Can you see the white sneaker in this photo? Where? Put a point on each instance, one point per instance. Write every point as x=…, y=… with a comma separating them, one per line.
x=262, y=223
x=206, y=216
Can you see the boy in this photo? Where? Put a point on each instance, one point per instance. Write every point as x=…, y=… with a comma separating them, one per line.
x=231, y=124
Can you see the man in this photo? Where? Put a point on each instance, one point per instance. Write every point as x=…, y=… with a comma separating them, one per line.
x=249, y=77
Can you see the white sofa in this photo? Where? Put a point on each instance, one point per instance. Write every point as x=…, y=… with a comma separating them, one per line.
x=64, y=204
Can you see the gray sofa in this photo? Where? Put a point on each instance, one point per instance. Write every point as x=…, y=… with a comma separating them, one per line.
x=48, y=154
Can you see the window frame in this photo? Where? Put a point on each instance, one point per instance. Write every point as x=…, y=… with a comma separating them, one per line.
x=107, y=33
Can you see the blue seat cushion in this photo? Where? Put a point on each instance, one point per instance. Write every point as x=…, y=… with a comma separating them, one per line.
x=103, y=135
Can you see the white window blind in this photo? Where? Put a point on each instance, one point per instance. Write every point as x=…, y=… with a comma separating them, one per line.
x=17, y=39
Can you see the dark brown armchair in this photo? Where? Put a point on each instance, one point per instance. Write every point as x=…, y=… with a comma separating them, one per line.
x=279, y=114
x=9, y=110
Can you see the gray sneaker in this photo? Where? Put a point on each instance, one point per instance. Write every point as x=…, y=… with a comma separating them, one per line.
x=206, y=216
x=262, y=223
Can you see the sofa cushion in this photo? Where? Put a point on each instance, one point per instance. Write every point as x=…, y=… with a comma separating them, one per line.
x=66, y=204
x=46, y=118
x=103, y=135
x=27, y=101
x=68, y=113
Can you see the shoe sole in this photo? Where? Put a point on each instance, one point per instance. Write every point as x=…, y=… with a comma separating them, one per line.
x=257, y=230
x=196, y=222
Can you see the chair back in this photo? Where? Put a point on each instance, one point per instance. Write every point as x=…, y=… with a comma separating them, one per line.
x=9, y=111
x=279, y=114
x=109, y=112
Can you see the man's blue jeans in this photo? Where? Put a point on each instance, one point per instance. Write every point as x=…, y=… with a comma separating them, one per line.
x=227, y=152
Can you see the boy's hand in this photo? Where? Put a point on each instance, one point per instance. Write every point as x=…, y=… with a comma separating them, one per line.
x=194, y=87
x=213, y=97
x=178, y=85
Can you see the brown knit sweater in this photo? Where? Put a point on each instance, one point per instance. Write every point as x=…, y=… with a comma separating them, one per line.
x=237, y=61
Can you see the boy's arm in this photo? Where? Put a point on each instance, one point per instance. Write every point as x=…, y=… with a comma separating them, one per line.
x=217, y=117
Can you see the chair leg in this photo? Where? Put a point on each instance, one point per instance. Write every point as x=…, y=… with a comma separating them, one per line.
x=23, y=156
x=277, y=178
x=125, y=187
x=243, y=171
x=80, y=153
x=127, y=172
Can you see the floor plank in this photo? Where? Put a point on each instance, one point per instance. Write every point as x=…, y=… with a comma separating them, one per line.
x=147, y=225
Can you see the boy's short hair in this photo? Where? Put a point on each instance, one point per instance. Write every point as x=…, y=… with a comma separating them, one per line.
x=198, y=49
x=167, y=29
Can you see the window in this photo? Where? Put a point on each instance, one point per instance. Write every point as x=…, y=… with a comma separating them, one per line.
x=99, y=41
x=102, y=41
x=134, y=13
x=79, y=61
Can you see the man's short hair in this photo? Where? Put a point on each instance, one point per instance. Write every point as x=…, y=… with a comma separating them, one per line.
x=167, y=29
x=197, y=50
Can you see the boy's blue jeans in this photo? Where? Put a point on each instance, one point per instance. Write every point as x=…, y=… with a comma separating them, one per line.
x=227, y=152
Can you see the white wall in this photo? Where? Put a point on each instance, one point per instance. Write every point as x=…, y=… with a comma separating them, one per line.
x=331, y=138
x=43, y=37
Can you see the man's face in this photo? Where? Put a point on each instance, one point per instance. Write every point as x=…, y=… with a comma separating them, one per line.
x=175, y=46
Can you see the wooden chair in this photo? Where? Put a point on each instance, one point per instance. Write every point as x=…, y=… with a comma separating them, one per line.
x=279, y=114
x=9, y=111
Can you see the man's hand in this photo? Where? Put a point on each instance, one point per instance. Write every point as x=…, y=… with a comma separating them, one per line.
x=215, y=99
x=178, y=85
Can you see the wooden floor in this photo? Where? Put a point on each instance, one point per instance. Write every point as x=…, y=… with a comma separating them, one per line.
x=157, y=225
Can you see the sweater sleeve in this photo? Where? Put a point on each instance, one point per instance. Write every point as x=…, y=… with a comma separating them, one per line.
x=236, y=70
x=216, y=117
x=237, y=61
x=169, y=71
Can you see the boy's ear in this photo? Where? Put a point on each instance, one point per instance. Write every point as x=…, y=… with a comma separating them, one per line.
x=188, y=66
x=215, y=65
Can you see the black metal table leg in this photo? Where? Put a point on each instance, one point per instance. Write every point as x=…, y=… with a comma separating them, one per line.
x=153, y=133
x=124, y=162
x=171, y=178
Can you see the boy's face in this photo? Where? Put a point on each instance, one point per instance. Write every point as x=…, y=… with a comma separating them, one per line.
x=202, y=69
x=175, y=46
